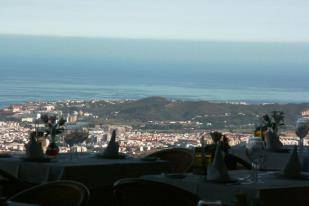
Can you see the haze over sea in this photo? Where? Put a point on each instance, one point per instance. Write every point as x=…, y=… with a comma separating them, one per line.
x=58, y=68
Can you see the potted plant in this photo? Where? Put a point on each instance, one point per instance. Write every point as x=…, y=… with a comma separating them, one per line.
x=271, y=137
x=53, y=127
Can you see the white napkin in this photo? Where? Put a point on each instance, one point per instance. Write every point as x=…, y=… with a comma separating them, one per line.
x=218, y=171
x=112, y=148
x=34, y=150
x=293, y=167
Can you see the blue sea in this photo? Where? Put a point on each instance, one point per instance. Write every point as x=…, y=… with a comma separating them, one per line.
x=34, y=68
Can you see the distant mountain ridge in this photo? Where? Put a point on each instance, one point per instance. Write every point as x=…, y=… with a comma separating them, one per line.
x=219, y=114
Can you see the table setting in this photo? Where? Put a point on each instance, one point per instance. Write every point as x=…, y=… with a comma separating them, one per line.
x=215, y=183
x=223, y=185
x=90, y=168
x=219, y=184
x=41, y=164
x=276, y=155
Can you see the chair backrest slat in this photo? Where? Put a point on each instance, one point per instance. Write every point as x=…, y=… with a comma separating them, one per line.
x=60, y=193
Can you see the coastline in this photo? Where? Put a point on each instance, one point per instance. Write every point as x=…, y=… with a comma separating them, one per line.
x=232, y=102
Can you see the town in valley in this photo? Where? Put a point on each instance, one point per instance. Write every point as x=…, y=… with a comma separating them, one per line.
x=142, y=125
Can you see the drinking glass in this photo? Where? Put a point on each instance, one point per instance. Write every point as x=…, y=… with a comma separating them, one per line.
x=301, y=131
x=74, y=136
x=68, y=138
x=255, y=150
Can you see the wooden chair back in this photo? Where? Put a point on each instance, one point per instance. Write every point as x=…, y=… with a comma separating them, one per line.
x=180, y=159
x=60, y=193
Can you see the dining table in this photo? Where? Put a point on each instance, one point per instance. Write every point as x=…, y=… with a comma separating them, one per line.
x=226, y=191
x=89, y=169
x=273, y=160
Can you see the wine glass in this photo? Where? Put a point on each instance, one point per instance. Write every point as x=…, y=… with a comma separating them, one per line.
x=74, y=136
x=83, y=135
x=68, y=138
x=301, y=131
x=255, y=151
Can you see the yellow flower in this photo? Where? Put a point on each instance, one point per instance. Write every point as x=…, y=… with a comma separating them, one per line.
x=258, y=133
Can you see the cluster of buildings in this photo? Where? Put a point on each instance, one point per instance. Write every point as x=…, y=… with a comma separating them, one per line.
x=15, y=134
x=13, y=137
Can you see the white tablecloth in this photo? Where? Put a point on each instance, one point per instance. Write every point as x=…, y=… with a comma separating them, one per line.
x=226, y=192
x=91, y=171
x=273, y=160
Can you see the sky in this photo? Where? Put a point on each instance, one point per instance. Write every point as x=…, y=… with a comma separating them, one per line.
x=216, y=20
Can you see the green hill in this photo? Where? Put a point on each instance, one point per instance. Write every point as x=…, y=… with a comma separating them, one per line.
x=161, y=109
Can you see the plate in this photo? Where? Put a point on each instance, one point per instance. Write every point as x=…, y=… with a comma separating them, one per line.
x=42, y=159
x=119, y=156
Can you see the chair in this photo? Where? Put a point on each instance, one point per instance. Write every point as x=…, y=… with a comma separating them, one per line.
x=180, y=159
x=11, y=185
x=139, y=192
x=294, y=196
x=60, y=193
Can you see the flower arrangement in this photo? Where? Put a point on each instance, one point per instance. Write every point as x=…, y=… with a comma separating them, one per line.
x=273, y=121
x=53, y=126
x=271, y=124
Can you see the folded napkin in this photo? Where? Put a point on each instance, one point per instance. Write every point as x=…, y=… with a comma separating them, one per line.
x=293, y=167
x=218, y=171
x=34, y=150
x=112, y=148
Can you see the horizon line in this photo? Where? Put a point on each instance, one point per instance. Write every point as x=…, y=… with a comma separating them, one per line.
x=154, y=39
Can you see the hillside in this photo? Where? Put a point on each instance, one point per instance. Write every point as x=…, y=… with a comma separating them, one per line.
x=160, y=109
